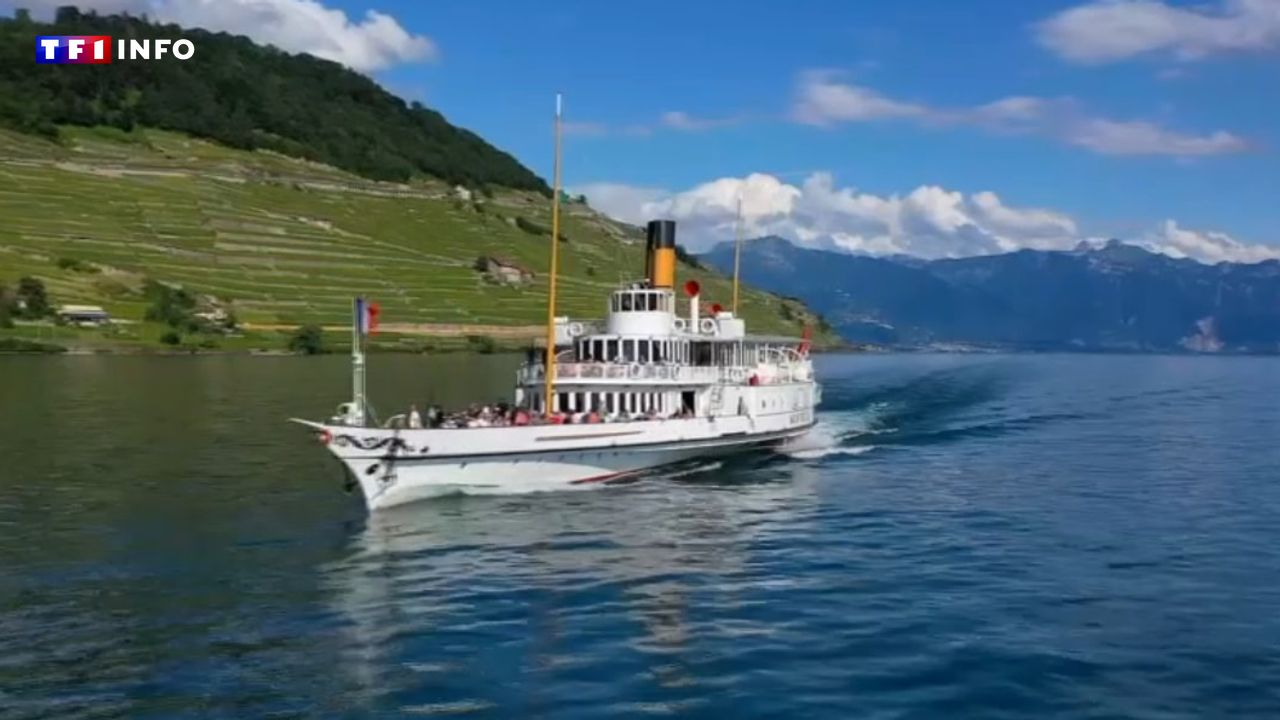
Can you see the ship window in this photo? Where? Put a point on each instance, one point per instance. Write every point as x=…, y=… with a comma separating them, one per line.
x=652, y=301
x=644, y=351
x=702, y=354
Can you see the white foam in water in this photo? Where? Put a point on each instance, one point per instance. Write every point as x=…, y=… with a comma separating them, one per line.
x=829, y=434
x=818, y=453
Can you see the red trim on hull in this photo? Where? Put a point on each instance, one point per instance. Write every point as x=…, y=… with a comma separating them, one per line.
x=600, y=478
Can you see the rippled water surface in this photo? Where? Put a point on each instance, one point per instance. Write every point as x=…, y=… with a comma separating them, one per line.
x=1023, y=536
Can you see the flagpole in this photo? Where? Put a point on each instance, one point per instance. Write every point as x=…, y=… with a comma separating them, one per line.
x=550, y=363
x=357, y=415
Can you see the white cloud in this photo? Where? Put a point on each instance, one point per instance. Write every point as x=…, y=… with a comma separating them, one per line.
x=822, y=100
x=375, y=42
x=619, y=201
x=1111, y=137
x=679, y=120
x=1206, y=246
x=930, y=221
x=1111, y=30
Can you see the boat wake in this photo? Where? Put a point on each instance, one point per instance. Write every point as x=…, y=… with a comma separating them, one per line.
x=838, y=433
x=934, y=407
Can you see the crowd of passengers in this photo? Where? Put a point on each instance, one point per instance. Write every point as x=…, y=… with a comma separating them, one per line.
x=504, y=415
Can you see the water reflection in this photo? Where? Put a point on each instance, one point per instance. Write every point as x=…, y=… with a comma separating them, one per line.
x=552, y=578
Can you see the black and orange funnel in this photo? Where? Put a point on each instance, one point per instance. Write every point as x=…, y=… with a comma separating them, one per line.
x=660, y=253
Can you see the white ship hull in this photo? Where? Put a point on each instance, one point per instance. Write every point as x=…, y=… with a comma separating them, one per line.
x=393, y=467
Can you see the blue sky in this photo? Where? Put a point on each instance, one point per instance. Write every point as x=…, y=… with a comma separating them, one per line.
x=625, y=64
x=1113, y=117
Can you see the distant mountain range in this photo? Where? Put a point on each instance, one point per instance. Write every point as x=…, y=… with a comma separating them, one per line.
x=1114, y=297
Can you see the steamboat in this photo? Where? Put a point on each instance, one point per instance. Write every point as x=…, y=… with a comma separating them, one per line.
x=649, y=386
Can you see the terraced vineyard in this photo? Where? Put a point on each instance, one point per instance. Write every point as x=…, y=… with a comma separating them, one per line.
x=284, y=242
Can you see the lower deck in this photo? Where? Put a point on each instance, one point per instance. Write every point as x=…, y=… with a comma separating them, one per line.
x=623, y=401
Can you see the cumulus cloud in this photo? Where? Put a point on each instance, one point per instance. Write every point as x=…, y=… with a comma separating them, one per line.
x=1203, y=245
x=620, y=201
x=374, y=42
x=929, y=221
x=1110, y=30
x=823, y=99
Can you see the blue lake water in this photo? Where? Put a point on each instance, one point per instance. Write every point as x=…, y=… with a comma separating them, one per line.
x=963, y=536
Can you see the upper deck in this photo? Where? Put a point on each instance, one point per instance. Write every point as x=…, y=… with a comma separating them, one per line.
x=644, y=340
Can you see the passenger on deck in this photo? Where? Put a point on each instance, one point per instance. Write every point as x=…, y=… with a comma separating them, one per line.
x=415, y=420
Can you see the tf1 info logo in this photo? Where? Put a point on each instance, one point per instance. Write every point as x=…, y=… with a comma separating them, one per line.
x=96, y=49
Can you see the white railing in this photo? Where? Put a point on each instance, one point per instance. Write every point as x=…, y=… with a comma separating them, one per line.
x=616, y=372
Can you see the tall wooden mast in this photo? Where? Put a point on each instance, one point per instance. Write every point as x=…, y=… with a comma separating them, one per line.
x=550, y=363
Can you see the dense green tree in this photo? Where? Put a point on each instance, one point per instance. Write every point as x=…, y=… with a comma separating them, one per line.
x=33, y=298
x=482, y=344
x=247, y=96
x=308, y=340
x=172, y=306
x=8, y=306
x=688, y=258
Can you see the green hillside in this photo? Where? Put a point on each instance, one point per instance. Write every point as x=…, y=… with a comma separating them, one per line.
x=283, y=241
x=245, y=96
